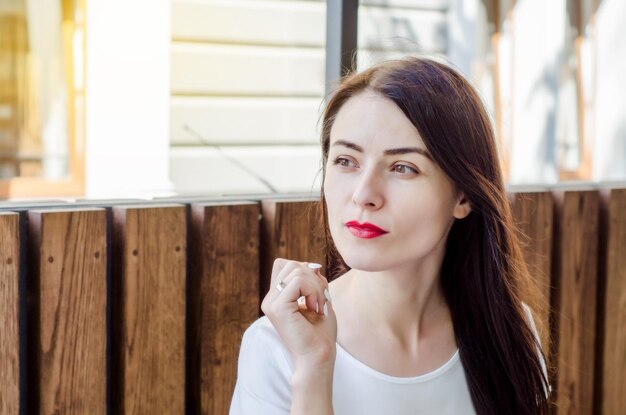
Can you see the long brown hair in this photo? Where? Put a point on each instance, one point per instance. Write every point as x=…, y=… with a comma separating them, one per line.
x=484, y=277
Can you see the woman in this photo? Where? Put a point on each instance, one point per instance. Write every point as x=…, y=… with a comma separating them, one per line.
x=428, y=315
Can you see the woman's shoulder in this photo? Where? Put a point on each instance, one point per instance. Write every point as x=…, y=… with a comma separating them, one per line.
x=262, y=329
x=264, y=372
x=262, y=333
x=262, y=343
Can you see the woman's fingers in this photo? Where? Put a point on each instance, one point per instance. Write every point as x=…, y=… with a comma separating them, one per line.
x=280, y=269
x=297, y=288
x=301, y=282
x=291, y=281
x=318, y=268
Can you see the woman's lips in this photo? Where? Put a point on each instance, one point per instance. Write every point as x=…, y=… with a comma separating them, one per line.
x=364, y=230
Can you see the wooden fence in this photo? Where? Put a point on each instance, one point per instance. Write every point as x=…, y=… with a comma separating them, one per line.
x=127, y=308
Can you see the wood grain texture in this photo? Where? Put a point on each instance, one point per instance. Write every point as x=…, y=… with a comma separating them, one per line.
x=292, y=230
x=70, y=278
x=9, y=313
x=577, y=224
x=613, y=371
x=533, y=213
x=224, y=282
x=149, y=312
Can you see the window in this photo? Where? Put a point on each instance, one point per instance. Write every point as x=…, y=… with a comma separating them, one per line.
x=41, y=98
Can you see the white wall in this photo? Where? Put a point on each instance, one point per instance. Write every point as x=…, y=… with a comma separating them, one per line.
x=537, y=49
x=463, y=20
x=127, y=98
x=609, y=162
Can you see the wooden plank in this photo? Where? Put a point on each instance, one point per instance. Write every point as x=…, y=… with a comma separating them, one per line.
x=256, y=23
x=149, y=313
x=613, y=307
x=9, y=313
x=210, y=69
x=268, y=120
x=70, y=288
x=224, y=298
x=577, y=227
x=291, y=230
x=533, y=213
x=288, y=169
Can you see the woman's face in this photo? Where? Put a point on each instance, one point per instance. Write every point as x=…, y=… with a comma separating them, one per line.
x=379, y=173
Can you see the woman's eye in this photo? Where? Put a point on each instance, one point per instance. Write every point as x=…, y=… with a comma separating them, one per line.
x=404, y=169
x=344, y=162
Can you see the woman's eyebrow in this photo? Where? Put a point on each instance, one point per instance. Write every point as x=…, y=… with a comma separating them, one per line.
x=348, y=144
x=390, y=152
x=405, y=150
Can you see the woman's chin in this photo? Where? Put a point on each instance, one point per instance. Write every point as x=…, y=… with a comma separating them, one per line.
x=366, y=264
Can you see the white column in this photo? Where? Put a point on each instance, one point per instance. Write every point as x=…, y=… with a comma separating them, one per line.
x=127, y=98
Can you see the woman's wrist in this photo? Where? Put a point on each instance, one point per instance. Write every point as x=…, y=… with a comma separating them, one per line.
x=312, y=390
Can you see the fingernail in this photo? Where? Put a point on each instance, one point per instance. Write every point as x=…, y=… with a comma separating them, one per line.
x=326, y=309
x=327, y=294
x=314, y=266
x=317, y=308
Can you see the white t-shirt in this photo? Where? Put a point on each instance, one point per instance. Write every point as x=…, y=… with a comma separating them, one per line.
x=265, y=371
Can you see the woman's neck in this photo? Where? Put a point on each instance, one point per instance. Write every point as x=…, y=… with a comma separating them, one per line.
x=404, y=304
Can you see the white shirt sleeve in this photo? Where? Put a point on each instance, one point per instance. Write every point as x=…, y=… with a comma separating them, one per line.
x=531, y=321
x=264, y=373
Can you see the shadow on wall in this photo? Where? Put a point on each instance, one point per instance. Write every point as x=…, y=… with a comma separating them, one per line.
x=546, y=85
x=610, y=107
x=402, y=34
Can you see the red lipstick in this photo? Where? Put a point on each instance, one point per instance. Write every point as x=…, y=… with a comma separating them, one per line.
x=364, y=230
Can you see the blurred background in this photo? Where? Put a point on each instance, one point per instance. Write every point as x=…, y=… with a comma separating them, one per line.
x=151, y=98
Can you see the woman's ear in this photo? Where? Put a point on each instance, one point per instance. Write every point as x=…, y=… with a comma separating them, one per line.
x=463, y=207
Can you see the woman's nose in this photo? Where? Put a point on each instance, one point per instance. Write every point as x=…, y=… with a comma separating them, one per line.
x=368, y=192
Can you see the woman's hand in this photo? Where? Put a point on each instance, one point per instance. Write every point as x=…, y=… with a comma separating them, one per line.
x=308, y=330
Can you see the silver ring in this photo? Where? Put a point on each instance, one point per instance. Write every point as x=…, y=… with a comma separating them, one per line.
x=280, y=286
